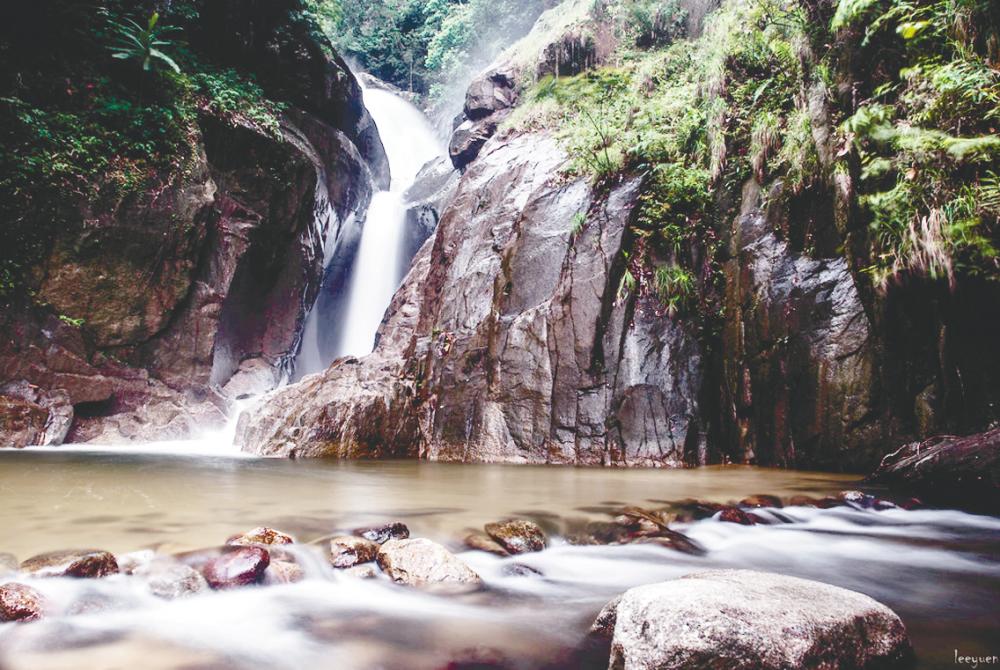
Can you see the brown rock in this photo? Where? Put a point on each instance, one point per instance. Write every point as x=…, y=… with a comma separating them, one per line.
x=381, y=534
x=802, y=501
x=19, y=602
x=481, y=542
x=736, y=515
x=346, y=551
x=363, y=571
x=671, y=539
x=517, y=536
x=240, y=566
x=71, y=563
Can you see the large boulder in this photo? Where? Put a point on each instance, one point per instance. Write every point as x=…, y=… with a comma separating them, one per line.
x=421, y=562
x=948, y=470
x=741, y=619
x=517, y=536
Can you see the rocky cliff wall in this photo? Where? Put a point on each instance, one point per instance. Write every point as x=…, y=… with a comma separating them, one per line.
x=172, y=292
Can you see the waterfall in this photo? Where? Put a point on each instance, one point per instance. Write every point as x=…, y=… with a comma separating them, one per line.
x=346, y=318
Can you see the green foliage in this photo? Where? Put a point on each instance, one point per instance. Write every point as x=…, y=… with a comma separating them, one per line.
x=644, y=24
x=675, y=287
x=230, y=95
x=928, y=140
x=76, y=323
x=422, y=45
x=142, y=44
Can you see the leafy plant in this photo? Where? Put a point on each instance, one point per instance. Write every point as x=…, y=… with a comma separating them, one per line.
x=143, y=44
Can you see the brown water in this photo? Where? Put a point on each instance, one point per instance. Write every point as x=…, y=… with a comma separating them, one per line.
x=939, y=569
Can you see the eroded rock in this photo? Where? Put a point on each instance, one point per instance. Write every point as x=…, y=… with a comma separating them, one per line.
x=736, y=619
x=283, y=572
x=483, y=542
x=421, y=562
x=170, y=580
x=71, y=563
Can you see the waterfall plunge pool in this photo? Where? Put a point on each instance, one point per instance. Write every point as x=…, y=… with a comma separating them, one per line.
x=939, y=569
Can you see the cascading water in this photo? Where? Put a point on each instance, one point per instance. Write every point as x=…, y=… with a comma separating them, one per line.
x=378, y=266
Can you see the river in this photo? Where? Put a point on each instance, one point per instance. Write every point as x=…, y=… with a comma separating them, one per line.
x=940, y=570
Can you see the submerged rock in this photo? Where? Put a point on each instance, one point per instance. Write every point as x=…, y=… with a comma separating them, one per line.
x=262, y=535
x=283, y=572
x=20, y=602
x=761, y=500
x=517, y=536
x=363, y=571
x=741, y=619
x=346, y=551
x=383, y=533
x=238, y=567
x=948, y=470
x=175, y=581
x=71, y=563
x=421, y=562
x=483, y=542
x=736, y=515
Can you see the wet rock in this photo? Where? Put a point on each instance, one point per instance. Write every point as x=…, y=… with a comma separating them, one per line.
x=135, y=562
x=672, y=539
x=32, y=416
x=517, y=536
x=947, y=470
x=240, y=566
x=170, y=580
x=696, y=510
x=283, y=572
x=863, y=500
x=19, y=602
x=729, y=619
x=829, y=502
x=595, y=649
x=262, y=535
x=346, y=551
x=803, y=501
x=383, y=533
x=363, y=571
x=481, y=542
x=761, y=500
x=421, y=562
x=71, y=563
x=736, y=515
x=520, y=570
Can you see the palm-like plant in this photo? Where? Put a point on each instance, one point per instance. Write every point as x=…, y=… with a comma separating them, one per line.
x=144, y=45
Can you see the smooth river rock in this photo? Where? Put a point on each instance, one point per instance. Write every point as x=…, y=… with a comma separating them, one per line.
x=421, y=562
x=238, y=567
x=742, y=619
x=71, y=563
x=517, y=536
x=173, y=580
x=19, y=602
x=346, y=551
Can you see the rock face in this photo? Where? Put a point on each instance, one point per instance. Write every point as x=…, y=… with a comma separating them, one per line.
x=71, y=563
x=19, y=602
x=731, y=619
x=948, y=470
x=421, y=562
x=228, y=256
x=537, y=361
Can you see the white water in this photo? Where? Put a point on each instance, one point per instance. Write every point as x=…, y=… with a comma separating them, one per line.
x=410, y=142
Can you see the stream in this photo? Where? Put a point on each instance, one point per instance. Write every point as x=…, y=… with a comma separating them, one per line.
x=940, y=570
